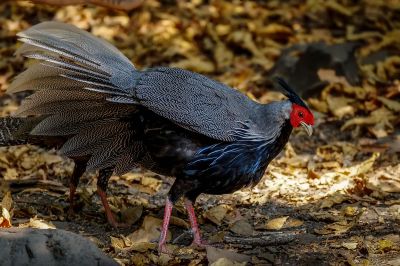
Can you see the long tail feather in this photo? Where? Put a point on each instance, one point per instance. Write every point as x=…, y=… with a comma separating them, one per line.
x=78, y=87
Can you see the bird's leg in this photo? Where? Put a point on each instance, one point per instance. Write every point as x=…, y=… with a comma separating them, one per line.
x=79, y=169
x=162, y=248
x=102, y=183
x=193, y=222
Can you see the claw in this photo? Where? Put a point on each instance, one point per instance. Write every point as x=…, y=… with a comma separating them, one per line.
x=163, y=249
x=195, y=228
x=199, y=245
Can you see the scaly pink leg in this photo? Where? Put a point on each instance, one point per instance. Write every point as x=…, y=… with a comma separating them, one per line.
x=72, y=190
x=110, y=217
x=162, y=248
x=193, y=222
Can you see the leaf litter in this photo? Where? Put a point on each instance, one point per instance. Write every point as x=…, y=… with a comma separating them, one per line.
x=341, y=186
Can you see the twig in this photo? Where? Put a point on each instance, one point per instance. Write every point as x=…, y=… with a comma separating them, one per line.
x=269, y=238
x=20, y=185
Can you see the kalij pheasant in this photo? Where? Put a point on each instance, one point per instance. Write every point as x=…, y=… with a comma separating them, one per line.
x=212, y=138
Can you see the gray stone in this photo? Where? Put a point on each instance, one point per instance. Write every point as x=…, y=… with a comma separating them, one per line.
x=46, y=247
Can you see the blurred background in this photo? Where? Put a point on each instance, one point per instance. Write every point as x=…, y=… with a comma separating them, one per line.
x=334, y=195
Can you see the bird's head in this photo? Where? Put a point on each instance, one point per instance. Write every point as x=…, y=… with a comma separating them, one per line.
x=300, y=114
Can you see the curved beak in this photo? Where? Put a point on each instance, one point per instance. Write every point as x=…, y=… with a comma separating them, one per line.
x=307, y=128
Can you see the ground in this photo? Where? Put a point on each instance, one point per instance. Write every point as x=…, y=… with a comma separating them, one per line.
x=329, y=199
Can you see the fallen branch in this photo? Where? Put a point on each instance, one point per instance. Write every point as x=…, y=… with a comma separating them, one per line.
x=269, y=238
x=114, y=4
x=16, y=186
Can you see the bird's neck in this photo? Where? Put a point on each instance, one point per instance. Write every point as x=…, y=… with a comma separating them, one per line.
x=265, y=153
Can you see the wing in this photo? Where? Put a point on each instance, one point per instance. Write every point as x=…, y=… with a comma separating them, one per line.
x=194, y=101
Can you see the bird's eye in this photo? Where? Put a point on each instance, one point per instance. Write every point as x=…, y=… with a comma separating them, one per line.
x=301, y=114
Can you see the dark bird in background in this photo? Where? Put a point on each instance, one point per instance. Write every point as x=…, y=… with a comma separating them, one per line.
x=212, y=138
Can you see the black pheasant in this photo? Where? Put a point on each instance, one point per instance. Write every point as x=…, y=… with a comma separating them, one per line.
x=212, y=138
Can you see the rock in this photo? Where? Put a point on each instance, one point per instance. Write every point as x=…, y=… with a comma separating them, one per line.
x=29, y=246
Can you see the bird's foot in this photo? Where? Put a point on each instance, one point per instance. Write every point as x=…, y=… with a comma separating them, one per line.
x=111, y=220
x=163, y=249
x=70, y=213
x=199, y=244
x=110, y=216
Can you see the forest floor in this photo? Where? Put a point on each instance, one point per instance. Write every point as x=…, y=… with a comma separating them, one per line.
x=329, y=199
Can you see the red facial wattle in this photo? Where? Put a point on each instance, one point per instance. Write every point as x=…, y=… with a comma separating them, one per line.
x=301, y=116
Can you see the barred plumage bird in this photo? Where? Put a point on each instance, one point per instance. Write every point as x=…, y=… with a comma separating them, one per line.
x=212, y=138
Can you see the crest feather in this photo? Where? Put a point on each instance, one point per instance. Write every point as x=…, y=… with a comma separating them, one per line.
x=284, y=87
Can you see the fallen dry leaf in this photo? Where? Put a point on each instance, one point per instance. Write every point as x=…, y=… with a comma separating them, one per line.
x=216, y=214
x=350, y=245
x=38, y=223
x=350, y=211
x=131, y=215
x=148, y=232
x=5, y=218
x=336, y=228
x=381, y=115
x=6, y=210
x=197, y=64
x=341, y=106
x=330, y=76
x=117, y=243
x=242, y=227
x=386, y=180
x=385, y=245
x=223, y=257
x=293, y=223
x=332, y=200
x=276, y=223
x=227, y=262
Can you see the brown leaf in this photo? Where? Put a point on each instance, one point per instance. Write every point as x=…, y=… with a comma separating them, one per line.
x=7, y=201
x=148, y=232
x=38, y=223
x=276, y=223
x=198, y=64
x=293, y=223
x=391, y=104
x=222, y=257
x=10, y=174
x=332, y=200
x=117, y=243
x=385, y=245
x=350, y=245
x=340, y=106
x=386, y=179
x=216, y=214
x=330, y=76
x=5, y=207
x=131, y=215
x=179, y=222
x=242, y=227
x=377, y=116
x=336, y=228
x=5, y=218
